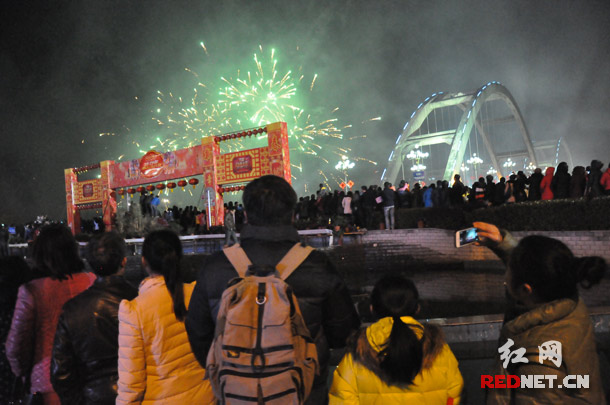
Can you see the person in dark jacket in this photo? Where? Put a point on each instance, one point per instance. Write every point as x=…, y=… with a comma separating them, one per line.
x=551, y=332
x=534, y=181
x=367, y=201
x=324, y=300
x=388, y=204
x=520, y=185
x=85, y=350
x=457, y=191
x=594, y=188
x=578, y=182
x=561, y=182
x=490, y=190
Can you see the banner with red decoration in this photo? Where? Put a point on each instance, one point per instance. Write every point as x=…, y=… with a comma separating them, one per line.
x=156, y=167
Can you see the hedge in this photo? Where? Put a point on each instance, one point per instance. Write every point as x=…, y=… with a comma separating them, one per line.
x=555, y=215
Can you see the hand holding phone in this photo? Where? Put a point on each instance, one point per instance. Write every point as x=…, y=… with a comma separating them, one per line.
x=466, y=237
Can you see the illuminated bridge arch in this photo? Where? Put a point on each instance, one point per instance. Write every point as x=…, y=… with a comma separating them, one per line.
x=485, y=122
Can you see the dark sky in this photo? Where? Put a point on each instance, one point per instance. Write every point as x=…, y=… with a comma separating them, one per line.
x=70, y=70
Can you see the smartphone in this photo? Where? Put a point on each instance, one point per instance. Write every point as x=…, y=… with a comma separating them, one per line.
x=466, y=237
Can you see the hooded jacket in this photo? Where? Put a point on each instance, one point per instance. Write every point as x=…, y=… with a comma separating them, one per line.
x=545, y=184
x=568, y=322
x=359, y=379
x=156, y=364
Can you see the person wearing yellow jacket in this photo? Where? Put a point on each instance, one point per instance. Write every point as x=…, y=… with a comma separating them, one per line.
x=397, y=360
x=156, y=363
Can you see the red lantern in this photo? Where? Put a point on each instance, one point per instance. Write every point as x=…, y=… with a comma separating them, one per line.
x=182, y=183
x=131, y=191
x=160, y=186
x=121, y=192
x=193, y=182
x=249, y=133
x=171, y=186
x=216, y=139
x=140, y=189
x=265, y=130
x=221, y=190
x=150, y=187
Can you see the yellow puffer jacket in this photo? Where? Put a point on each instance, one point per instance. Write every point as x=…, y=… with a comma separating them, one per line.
x=357, y=379
x=156, y=364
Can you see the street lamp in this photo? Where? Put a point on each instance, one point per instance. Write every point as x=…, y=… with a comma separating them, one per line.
x=509, y=164
x=344, y=165
x=474, y=161
x=464, y=169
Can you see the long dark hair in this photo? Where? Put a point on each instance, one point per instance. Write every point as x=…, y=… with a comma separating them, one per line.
x=163, y=251
x=403, y=354
x=551, y=269
x=56, y=252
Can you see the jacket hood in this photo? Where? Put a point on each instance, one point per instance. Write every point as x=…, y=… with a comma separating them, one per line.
x=549, y=171
x=543, y=315
x=366, y=344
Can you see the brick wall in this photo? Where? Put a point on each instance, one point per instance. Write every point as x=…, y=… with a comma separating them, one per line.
x=451, y=281
x=439, y=244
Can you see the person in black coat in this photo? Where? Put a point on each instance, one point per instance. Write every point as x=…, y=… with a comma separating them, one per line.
x=323, y=298
x=561, y=182
x=457, y=191
x=534, y=181
x=578, y=183
x=594, y=188
x=85, y=350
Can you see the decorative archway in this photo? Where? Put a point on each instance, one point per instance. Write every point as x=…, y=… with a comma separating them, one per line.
x=219, y=172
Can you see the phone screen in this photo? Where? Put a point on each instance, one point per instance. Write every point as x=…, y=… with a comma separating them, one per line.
x=467, y=236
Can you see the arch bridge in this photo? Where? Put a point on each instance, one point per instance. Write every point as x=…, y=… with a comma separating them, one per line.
x=473, y=133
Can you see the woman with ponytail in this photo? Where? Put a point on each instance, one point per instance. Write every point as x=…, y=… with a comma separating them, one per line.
x=397, y=359
x=546, y=318
x=156, y=364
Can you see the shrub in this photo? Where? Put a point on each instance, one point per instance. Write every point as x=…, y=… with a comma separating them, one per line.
x=555, y=215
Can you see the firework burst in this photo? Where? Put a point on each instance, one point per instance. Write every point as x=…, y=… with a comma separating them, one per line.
x=251, y=98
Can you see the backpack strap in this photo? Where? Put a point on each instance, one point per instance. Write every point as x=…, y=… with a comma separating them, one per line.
x=293, y=259
x=238, y=259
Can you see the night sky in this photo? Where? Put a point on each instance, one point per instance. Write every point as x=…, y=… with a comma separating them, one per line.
x=71, y=70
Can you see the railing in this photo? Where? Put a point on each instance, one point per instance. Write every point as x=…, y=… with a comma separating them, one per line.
x=196, y=244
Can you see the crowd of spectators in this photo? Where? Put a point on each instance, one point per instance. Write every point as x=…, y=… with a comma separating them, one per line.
x=73, y=336
x=355, y=208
